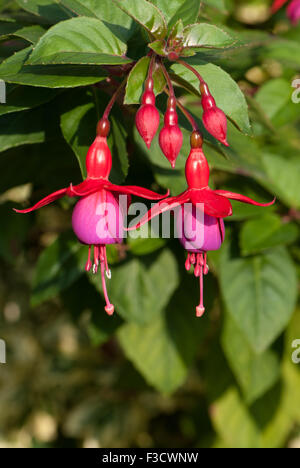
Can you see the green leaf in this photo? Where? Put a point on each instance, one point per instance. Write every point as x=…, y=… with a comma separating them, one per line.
x=233, y=422
x=225, y=90
x=49, y=10
x=154, y=353
x=188, y=12
x=8, y=28
x=255, y=373
x=165, y=348
x=280, y=110
x=159, y=47
x=284, y=51
x=285, y=176
x=19, y=98
x=77, y=124
x=168, y=8
x=146, y=14
x=206, y=35
x=144, y=297
x=142, y=246
x=13, y=70
x=59, y=265
x=269, y=290
x=115, y=19
x=266, y=232
x=25, y=128
x=136, y=81
x=30, y=33
x=66, y=43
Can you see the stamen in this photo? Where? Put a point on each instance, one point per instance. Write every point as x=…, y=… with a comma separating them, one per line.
x=107, y=270
x=188, y=263
x=205, y=267
x=96, y=255
x=89, y=265
x=193, y=259
x=198, y=266
x=109, y=308
x=200, y=309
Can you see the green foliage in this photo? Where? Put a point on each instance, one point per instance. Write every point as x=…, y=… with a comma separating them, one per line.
x=153, y=374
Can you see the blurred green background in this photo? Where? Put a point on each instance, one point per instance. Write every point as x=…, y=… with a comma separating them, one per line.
x=153, y=375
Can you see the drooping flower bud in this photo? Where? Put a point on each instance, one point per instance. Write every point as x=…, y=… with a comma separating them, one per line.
x=293, y=11
x=214, y=119
x=147, y=117
x=170, y=137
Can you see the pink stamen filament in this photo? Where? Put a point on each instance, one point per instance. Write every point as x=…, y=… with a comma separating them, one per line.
x=201, y=265
x=96, y=259
x=107, y=270
x=109, y=308
x=88, y=265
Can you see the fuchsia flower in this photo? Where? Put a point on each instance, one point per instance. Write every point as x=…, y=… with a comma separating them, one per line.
x=98, y=217
x=293, y=10
x=215, y=206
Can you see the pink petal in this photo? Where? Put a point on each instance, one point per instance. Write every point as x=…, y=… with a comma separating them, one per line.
x=242, y=198
x=45, y=201
x=213, y=203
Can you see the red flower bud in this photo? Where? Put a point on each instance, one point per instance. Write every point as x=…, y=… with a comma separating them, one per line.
x=215, y=122
x=147, y=117
x=214, y=119
x=147, y=122
x=170, y=137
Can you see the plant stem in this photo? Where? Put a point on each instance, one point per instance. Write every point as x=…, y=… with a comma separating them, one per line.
x=186, y=113
x=113, y=99
x=168, y=80
x=192, y=69
x=151, y=66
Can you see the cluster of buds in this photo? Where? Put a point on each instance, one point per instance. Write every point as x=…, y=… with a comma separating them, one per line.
x=170, y=137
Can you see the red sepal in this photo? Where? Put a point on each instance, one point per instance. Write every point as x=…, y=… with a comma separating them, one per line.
x=213, y=203
x=242, y=198
x=45, y=201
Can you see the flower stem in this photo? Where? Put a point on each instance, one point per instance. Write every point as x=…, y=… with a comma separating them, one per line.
x=187, y=115
x=151, y=66
x=113, y=99
x=192, y=69
x=168, y=80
